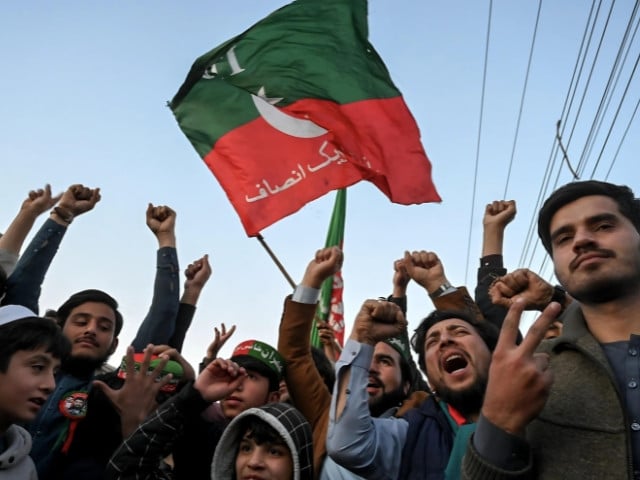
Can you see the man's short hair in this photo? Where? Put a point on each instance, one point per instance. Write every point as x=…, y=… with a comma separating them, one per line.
x=487, y=331
x=628, y=205
x=85, y=296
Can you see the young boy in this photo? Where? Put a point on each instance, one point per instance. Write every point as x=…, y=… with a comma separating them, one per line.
x=249, y=379
x=32, y=349
x=272, y=441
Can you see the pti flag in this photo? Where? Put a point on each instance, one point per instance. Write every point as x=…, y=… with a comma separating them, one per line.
x=298, y=105
x=330, y=308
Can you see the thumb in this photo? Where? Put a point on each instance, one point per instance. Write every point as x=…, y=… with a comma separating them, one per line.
x=106, y=389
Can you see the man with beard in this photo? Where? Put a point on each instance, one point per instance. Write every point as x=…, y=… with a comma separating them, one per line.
x=454, y=350
x=91, y=321
x=571, y=408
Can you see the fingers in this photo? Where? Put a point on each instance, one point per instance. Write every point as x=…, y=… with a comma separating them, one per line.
x=229, y=367
x=510, y=326
x=537, y=331
x=226, y=335
x=130, y=367
x=146, y=359
x=387, y=312
x=106, y=389
x=541, y=361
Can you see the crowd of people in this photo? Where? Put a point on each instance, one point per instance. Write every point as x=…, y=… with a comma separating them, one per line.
x=483, y=400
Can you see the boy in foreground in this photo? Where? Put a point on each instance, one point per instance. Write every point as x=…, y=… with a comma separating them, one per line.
x=32, y=349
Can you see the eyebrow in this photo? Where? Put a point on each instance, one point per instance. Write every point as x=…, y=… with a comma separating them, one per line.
x=41, y=357
x=600, y=217
x=453, y=326
x=383, y=356
x=87, y=314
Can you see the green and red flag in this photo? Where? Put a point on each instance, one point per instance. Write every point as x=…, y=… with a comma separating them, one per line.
x=330, y=308
x=298, y=105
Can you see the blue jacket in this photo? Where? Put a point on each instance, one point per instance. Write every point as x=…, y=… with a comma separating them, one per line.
x=428, y=444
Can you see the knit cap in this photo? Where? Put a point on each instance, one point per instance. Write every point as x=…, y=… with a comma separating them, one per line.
x=401, y=344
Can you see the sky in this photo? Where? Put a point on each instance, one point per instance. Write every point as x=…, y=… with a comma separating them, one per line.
x=85, y=86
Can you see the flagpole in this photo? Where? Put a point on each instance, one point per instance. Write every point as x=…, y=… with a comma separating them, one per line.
x=289, y=279
x=275, y=259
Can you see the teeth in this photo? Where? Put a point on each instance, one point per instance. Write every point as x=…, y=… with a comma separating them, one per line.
x=454, y=362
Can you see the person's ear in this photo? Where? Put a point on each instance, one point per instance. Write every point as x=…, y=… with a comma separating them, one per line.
x=113, y=346
x=406, y=388
x=273, y=397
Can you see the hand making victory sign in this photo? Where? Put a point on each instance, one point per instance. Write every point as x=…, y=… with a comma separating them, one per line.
x=519, y=378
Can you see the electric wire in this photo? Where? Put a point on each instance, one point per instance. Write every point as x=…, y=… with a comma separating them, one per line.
x=524, y=91
x=477, y=160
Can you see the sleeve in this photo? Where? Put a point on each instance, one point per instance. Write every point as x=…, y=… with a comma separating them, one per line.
x=306, y=387
x=158, y=326
x=139, y=456
x=495, y=454
x=491, y=267
x=24, y=285
x=8, y=261
x=458, y=299
x=369, y=447
x=185, y=315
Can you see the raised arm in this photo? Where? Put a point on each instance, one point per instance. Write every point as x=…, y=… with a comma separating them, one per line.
x=197, y=274
x=426, y=269
x=37, y=202
x=159, y=324
x=497, y=215
x=306, y=387
x=25, y=283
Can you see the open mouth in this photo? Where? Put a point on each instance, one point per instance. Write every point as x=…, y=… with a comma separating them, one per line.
x=454, y=362
x=373, y=386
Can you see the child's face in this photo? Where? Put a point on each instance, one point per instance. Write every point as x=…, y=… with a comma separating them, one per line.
x=26, y=384
x=266, y=461
x=252, y=392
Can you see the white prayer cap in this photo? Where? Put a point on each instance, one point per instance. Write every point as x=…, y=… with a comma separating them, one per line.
x=10, y=313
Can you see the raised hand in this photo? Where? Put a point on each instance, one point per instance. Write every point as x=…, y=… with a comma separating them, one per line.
x=519, y=378
x=325, y=333
x=161, y=220
x=78, y=199
x=197, y=273
x=499, y=213
x=426, y=269
x=37, y=202
x=378, y=320
x=325, y=263
x=219, y=379
x=401, y=278
x=521, y=284
x=137, y=397
x=40, y=200
x=221, y=337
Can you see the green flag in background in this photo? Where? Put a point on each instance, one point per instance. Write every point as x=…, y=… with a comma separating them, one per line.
x=298, y=105
x=330, y=308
